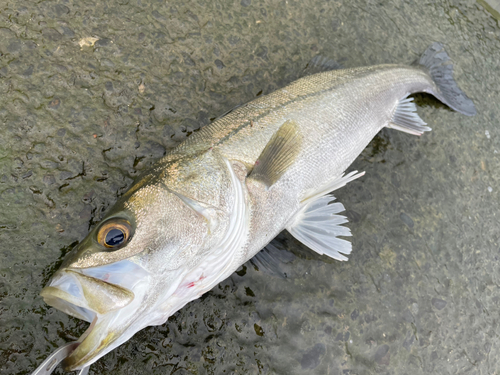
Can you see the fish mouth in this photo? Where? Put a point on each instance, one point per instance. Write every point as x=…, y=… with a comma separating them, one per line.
x=94, y=300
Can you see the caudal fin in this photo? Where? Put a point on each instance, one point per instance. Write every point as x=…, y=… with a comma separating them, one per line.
x=440, y=67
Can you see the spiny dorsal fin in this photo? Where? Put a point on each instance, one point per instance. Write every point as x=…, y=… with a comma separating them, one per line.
x=278, y=155
x=320, y=64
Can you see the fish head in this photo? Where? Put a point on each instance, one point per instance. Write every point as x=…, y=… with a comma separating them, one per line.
x=142, y=262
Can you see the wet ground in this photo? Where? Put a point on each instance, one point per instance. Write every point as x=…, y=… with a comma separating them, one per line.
x=91, y=94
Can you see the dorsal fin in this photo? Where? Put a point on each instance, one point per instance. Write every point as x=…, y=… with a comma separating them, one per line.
x=278, y=155
x=320, y=64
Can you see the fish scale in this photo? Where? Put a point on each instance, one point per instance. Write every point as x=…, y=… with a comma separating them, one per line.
x=340, y=119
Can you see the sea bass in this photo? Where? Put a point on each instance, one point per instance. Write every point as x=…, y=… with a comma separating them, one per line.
x=214, y=201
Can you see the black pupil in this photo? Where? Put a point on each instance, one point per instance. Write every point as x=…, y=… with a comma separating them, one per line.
x=114, y=237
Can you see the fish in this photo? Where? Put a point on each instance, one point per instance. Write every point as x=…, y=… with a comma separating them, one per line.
x=215, y=200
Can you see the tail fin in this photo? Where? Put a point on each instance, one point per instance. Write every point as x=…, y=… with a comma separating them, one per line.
x=439, y=65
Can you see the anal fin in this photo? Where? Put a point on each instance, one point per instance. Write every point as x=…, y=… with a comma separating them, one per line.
x=406, y=119
x=278, y=155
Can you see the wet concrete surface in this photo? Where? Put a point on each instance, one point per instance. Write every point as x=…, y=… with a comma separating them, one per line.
x=91, y=94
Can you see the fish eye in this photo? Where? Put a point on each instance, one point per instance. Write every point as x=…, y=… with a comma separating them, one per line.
x=114, y=233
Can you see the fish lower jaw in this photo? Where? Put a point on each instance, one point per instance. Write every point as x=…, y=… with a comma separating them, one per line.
x=71, y=365
x=97, y=302
x=92, y=347
x=63, y=301
x=80, y=357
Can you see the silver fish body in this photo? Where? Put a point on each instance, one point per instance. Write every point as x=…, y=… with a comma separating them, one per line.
x=217, y=199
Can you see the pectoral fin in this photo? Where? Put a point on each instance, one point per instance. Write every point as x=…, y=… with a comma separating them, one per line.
x=278, y=155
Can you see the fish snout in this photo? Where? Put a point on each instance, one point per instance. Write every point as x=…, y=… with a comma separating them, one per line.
x=84, y=296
